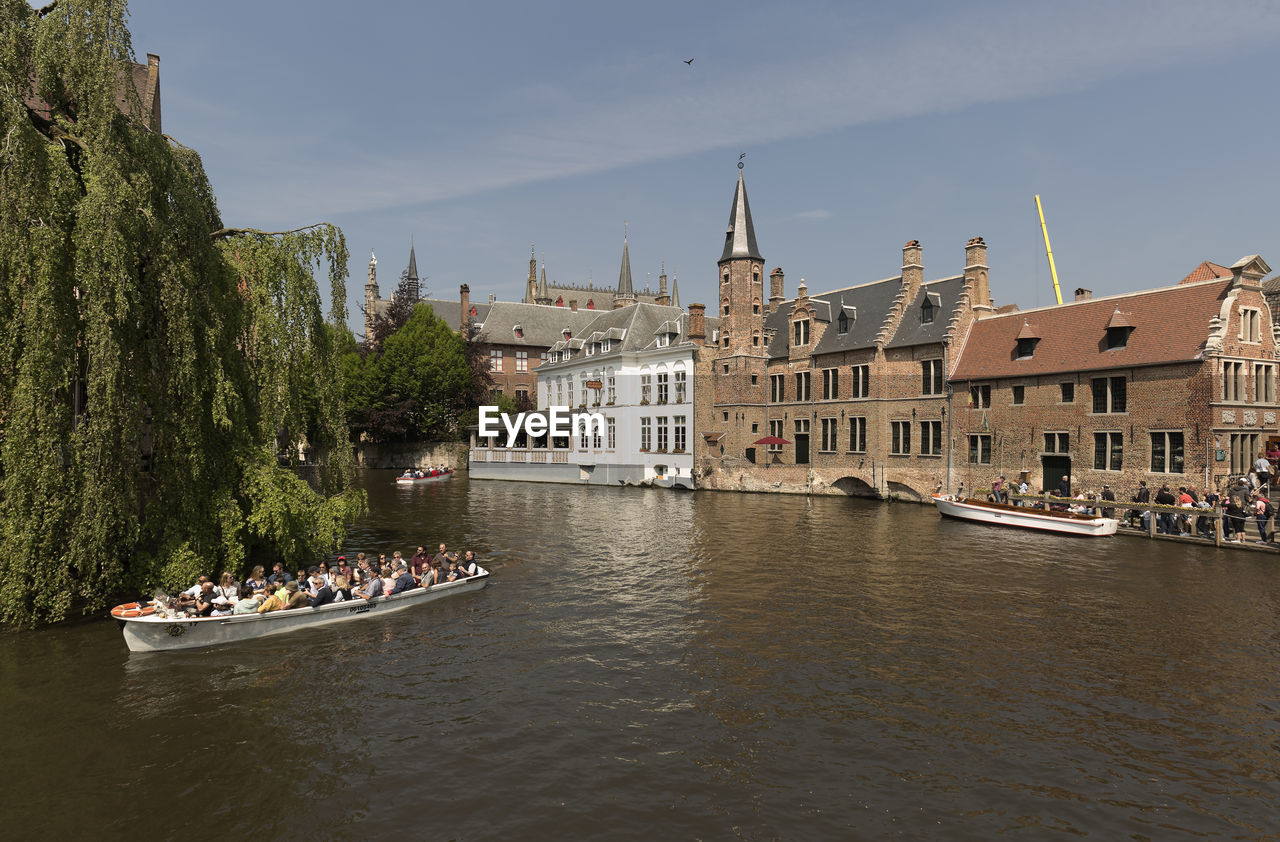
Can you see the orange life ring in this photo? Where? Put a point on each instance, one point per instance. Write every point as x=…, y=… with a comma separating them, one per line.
x=133, y=609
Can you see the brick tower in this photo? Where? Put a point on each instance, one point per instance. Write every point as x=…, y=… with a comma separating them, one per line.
x=740, y=348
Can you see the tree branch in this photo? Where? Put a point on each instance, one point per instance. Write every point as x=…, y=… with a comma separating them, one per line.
x=232, y=232
x=47, y=8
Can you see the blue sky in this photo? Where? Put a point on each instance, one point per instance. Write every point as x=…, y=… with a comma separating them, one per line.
x=1148, y=128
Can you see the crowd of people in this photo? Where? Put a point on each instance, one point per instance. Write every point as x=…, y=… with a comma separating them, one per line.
x=1237, y=500
x=324, y=583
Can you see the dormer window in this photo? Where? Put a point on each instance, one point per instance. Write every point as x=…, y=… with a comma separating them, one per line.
x=1118, y=329
x=1028, y=338
x=842, y=323
x=800, y=332
x=926, y=312
x=568, y=334
x=518, y=330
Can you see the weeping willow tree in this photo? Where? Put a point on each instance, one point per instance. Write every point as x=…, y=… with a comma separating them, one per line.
x=152, y=360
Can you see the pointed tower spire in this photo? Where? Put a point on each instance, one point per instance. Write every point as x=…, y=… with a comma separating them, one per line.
x=543, y=296
x=531, y=284
x=625, y=294
x=740, y=236
x=675, y=292
x=413, y=262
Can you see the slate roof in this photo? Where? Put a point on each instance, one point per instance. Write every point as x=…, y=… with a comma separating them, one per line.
x=945, y=295
x=541, y=324
x=639, y=325
x=740, y=236
x=866, y=304
x=1171, y=324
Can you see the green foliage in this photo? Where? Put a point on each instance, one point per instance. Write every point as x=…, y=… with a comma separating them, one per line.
x=152, y=361
x=415, y=387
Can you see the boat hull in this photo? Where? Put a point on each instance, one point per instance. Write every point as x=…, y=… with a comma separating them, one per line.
x=998, y=515
x=156, y=634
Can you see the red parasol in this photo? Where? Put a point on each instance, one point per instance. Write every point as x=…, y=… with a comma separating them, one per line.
x=772, y=440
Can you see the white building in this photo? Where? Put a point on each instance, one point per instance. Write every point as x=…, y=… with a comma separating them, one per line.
x=634, y=367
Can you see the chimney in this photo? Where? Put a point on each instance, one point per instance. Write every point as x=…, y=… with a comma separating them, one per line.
x=975, y=276
x=776, y=296
x=1083, y=294
x=698, y=324
x=464, y=294
x=912, y=269
x=573, y=304
x=662, y=297
x=492, y=298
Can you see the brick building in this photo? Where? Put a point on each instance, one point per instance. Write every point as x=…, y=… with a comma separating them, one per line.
x=853, y=380
x=1176, y=384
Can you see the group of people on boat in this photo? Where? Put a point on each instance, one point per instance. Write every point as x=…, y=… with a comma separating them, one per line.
x=428, y=472
x=324, y=583
x=1237, y=500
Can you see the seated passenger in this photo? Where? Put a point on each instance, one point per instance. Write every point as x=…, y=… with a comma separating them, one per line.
x=297, y=597
x=204, y=606
x=403, y=581
x=319, y=593
x=430, y=576
x=228, y=588
x=271, y=602
x=408, y=474
x=454, y=573
x=342, y=568
x=279, y=575
x=257, y=580
x=341, y=590
x=469, y=563
x=187, y=598
x=370, y=589
x=388, y=581
x=249, y=600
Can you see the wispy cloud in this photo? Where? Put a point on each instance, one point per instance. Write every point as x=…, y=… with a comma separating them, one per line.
x=930, y=66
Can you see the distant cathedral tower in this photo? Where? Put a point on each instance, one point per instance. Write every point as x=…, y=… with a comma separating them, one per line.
x=625, y=296
x=371, y=297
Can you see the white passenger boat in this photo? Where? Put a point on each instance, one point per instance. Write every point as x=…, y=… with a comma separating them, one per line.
x=443, y=475
x=1000, y=514
x=147, y=630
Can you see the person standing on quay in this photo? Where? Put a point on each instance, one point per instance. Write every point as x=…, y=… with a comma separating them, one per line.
x=1262, y=468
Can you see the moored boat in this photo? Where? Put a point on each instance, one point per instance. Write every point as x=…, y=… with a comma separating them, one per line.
x=447, y=473
x=1024, y=517
x=147, y=629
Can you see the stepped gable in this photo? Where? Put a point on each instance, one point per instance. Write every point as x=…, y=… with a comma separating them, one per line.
x=947, y=298
x=1170, y=324
x=541, y=326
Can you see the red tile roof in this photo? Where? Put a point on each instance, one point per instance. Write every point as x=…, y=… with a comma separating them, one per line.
x=1206, y=271
x=1170, y=324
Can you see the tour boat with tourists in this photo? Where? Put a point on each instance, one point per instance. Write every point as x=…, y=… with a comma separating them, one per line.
x=429, y=476
x=1025, y=517
x=149, y=627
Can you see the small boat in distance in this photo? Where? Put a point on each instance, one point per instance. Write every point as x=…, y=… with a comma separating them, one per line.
x=437, y=476
x=1001, y=514
x=147, y=629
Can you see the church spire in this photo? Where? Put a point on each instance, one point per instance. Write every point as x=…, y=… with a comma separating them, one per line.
x=675, y=292
x=740, y=236
x=625, y=294
x=413, y=262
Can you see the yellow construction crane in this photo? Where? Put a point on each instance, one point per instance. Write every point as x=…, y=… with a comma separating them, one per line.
x=1048, y=250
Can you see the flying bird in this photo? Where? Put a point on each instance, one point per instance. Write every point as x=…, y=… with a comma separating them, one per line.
x=688, y=61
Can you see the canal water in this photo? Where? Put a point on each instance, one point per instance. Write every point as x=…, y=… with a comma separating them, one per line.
x=649, y=664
